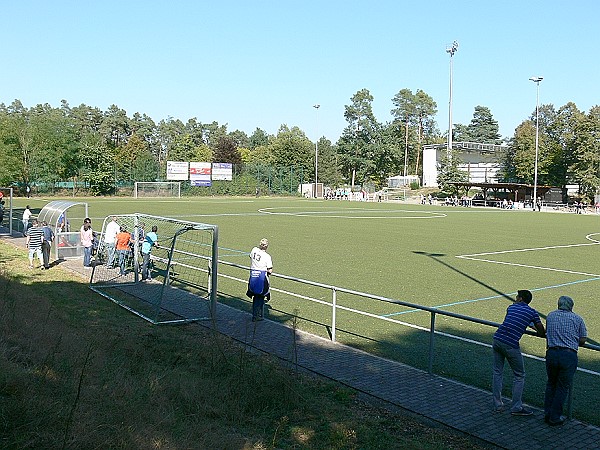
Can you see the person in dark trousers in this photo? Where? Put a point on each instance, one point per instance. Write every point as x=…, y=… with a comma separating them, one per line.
x=506, y=347
x=261, y=267
x=47, y=244
x=565, y=333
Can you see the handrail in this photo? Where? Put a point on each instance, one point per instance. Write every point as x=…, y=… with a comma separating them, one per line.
x=432, y=310
x=393, y=301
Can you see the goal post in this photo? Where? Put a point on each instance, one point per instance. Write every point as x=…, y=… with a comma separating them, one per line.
x=6, y=211
x=156, y=189
x=180, y=283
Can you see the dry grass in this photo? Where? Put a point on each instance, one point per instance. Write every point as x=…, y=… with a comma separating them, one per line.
x=78, y=372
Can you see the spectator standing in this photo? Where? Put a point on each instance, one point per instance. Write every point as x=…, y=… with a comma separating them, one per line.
x=565, y=333
x=26, y=217
x=261, y=267
x=35, y=237
x=47, y=244
x=150, y=241
x=110, y=240
x=86, y=235
x=122, y=246
x=506, y=347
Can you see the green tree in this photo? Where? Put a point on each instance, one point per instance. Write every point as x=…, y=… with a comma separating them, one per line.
x=586, y=165
x=416, y=114
x=328, y=168
x=97, y=160
x=482, y=129
x=518, y=161
x=449, y=172
x=360, y=140
x=116, y=126
x=560, y=138
x=240, y=138
x=291, y=147
x=226, y=151
x=258, y=138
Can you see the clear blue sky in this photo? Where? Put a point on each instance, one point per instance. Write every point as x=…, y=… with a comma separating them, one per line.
x=261, y=64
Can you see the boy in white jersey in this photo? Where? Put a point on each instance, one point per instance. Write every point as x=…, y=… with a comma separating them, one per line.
x=261, y=266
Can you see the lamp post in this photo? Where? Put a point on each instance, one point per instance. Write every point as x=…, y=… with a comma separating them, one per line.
x=317, y=106
x=536, y=80
x=452, y=50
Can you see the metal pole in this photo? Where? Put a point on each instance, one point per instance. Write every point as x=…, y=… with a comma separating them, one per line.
x=452, y=50
x=536, y=80
x=317, y=106
x=431, y=342
x=334, y=303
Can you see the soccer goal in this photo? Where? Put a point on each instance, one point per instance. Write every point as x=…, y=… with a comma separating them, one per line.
x=155, y=189
x=182, y=286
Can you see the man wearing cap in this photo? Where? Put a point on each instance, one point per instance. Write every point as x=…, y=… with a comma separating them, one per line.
x=261, y=266
x=506, y=347
x=566, y=332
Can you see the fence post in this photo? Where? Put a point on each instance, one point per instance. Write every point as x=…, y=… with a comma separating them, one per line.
x=431, y=342
x=334, y=302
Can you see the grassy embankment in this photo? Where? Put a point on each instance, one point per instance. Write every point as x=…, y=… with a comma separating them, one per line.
x=76, y=371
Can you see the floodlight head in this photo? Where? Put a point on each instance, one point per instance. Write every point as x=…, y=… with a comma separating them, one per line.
x=317, y=106
x=536, y=79
x=452, y=48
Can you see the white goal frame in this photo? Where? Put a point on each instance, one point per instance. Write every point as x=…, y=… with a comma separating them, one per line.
x=158, y=189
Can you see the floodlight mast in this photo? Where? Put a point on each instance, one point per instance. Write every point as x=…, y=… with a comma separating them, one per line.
x=317, y=106
x=451, y=49
x=536, y=80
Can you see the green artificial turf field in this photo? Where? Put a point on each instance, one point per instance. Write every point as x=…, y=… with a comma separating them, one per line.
x=468, y=261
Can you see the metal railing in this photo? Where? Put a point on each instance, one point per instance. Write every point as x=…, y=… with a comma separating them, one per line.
x=433, y=312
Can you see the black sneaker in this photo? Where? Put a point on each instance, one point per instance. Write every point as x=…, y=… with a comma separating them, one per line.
x=556, y=423
x=522, y=412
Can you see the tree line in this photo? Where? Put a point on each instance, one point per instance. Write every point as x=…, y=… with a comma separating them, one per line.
x=45, y=144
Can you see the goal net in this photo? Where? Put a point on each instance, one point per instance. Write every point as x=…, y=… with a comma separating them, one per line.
x=154, y=189
x=181, y=280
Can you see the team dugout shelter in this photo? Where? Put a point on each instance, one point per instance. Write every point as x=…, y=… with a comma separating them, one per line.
x=65, y=219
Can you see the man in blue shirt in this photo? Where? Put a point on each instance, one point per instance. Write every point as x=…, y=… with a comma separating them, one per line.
x=149, y=241
x=519, y=316
x=566, y=332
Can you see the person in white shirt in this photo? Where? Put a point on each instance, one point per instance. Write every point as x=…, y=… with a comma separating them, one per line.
x=261, y=266
x=110, y=235
x=26, y=217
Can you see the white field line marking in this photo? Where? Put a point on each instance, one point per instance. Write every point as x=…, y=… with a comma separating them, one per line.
x=474, y=257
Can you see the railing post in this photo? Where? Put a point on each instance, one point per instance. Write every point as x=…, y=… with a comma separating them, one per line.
x=431, y=342
x=334, y=302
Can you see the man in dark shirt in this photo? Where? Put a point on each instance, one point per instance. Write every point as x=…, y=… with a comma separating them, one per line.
x=46, y=244
x=506, y=347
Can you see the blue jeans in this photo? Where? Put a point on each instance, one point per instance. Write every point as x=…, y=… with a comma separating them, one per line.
x=514, y=357
x=561, y=365
x=145, y=266
x=123, y=254
x=87, y=256
x=110, y=249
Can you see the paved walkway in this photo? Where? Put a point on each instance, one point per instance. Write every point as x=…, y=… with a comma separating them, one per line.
x=448, y=402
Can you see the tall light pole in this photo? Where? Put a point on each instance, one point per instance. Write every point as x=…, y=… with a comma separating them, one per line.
x=536, y=80
x=317, y=106
x=452, y=50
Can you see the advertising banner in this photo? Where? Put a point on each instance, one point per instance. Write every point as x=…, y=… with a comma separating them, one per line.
x=200, y=174
x=177, y=170
x=222, y=171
